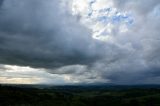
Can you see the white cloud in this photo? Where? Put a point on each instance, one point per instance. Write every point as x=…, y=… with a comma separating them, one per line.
x=13, y=74
x=103, y=18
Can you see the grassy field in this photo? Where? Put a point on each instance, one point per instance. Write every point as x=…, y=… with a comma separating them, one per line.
x=79, y=96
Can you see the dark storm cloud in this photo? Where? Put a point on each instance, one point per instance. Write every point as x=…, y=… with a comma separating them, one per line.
x=1, y=2
x=41, y=34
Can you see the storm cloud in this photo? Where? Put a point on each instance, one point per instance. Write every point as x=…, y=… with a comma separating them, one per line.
x=45, y=35
x=41, y=34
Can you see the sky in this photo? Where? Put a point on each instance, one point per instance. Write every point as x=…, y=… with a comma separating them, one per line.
x=61, y=42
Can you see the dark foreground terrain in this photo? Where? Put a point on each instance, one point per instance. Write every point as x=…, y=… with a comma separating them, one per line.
x=28, y=95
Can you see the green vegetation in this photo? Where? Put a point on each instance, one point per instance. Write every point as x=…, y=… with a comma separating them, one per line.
x=78, y=96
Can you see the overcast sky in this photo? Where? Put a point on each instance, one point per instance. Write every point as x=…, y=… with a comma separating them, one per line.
x=80, y=41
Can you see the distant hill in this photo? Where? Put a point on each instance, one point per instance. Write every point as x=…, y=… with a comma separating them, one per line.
x=71, y=95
